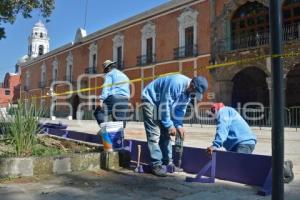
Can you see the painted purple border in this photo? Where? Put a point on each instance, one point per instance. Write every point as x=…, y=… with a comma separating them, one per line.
x=248, y=169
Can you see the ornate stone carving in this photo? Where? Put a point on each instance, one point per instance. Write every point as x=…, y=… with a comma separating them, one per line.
x=55, y=62
x=118, y=39
x=148, y=30
x=69, y=58
x=93, y=50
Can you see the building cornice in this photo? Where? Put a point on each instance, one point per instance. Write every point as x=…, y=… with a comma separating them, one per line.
x=155, y=12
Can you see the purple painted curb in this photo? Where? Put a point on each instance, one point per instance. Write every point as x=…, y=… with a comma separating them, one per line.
x=247, y=169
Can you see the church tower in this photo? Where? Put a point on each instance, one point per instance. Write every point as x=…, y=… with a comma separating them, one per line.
x=38, y=41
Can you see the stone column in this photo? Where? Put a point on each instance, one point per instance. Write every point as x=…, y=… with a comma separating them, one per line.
x=224, y=89
x=269, y=84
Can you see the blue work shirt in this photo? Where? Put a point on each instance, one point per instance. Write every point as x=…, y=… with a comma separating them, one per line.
x=169, y=95
x=115, y=77
x=232, y=129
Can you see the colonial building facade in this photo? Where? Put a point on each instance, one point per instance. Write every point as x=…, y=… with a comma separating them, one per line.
x=240, y=31
x=181, y=35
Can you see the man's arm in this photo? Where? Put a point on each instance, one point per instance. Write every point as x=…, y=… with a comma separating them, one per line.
x=222, y=129
x=179, y=113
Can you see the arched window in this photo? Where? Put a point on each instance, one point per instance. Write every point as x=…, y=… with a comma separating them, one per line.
x=249, y=25
x=291, y=19
x=41, y=50
x=41, y=35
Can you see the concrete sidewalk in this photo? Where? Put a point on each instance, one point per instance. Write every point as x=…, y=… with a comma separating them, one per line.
x=128, y=185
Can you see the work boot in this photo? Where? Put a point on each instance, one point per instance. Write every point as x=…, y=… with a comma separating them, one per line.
x=174, y=168
x=158, y=170
x=288, y=174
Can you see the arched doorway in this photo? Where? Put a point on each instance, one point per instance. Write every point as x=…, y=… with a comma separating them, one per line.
x=293, y=87
x=249, y=85
x=75, y=103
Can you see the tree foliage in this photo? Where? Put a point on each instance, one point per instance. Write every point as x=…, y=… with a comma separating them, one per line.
x=10, y=9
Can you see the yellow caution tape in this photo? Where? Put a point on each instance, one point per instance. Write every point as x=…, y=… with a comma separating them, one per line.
x=209, y=67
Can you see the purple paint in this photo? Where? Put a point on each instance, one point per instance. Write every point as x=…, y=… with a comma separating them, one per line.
x=267, y=187
x=210, y=165
x=248, y=169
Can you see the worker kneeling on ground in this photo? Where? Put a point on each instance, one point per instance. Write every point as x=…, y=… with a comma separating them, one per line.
x=164, y=103
x=232, y=132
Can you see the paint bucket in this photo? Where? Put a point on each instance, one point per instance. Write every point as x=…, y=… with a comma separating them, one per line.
x=112, y=134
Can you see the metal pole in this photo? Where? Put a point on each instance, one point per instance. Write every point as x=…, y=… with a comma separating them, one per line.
x=277, y=101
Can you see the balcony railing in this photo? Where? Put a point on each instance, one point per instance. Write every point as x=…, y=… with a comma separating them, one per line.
x=42, y=84
x=91, y=70
x=146, y=59
x=186, y=51
x=290, y=32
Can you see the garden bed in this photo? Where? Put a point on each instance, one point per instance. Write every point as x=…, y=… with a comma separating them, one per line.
x=49, y=156
x=47, y=146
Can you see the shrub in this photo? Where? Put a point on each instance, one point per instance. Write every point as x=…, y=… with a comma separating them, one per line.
x=22, y=127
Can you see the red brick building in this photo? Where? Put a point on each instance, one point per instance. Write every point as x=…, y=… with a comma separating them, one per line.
x=181, y=35
x=10, y=90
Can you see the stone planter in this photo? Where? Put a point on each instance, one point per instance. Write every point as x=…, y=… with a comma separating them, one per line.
x=48, y=165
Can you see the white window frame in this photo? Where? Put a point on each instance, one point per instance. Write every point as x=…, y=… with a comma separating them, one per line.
x=148, y=31
x=69, y=59
x=93, y=50
x=55, y=68
x=118, y=41
x=187, y=19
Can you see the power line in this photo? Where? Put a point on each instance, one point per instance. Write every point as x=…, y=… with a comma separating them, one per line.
x=86, y=10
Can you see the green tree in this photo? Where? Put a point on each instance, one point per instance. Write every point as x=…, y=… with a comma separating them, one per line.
x=10, y=9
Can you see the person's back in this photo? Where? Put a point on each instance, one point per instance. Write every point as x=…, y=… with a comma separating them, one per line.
x=172, y=85
x=232, y=130
x=116, y=83
x=114, y=99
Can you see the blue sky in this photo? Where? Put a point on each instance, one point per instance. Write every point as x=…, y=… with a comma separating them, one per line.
x=67, y=16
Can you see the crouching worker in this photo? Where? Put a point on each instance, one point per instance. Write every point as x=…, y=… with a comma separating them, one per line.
x=115, y=95
x=232, y=132
x=164, y=103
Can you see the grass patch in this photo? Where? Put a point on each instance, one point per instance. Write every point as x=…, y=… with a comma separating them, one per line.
x=41, y=150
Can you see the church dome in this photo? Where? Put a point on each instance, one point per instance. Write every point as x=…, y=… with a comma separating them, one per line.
x=39, y=24
x=23, y=59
